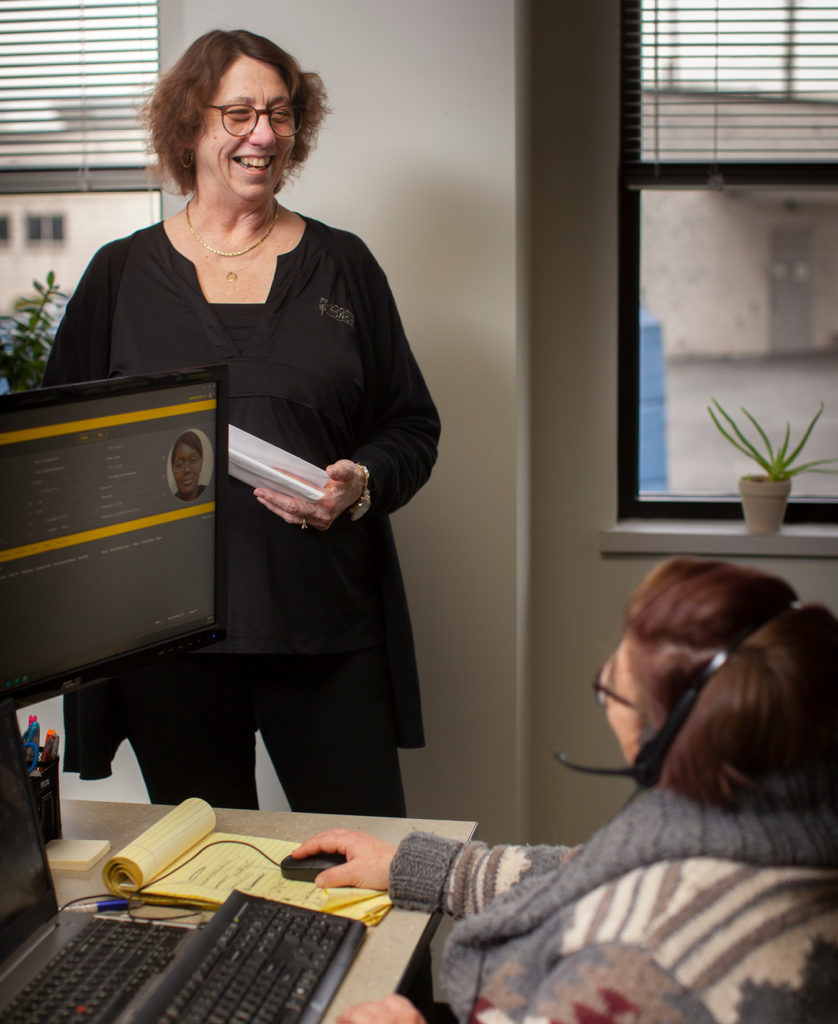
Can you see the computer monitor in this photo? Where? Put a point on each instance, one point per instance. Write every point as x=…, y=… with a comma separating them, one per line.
x=113, y=524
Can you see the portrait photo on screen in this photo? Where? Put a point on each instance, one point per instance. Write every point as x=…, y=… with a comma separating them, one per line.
x=189, y=466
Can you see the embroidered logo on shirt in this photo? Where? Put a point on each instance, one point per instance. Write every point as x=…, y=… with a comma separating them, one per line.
x=336, y=312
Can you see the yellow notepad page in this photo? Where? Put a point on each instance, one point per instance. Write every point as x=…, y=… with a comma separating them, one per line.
x=181, y=860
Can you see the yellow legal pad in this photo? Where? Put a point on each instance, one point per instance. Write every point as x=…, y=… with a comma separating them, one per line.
x=182, y=860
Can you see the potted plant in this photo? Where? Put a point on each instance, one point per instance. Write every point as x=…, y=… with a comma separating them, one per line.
x=26, y=341
x=765, y=495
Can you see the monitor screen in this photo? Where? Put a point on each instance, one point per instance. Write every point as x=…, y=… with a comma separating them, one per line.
x=112, y=527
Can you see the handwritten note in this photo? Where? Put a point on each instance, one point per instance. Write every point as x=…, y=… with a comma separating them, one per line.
x=181, y=860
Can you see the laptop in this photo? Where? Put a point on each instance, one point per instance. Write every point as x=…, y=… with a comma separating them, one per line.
x=34, y=933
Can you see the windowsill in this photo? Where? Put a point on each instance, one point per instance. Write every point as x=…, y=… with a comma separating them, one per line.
x=705, y=537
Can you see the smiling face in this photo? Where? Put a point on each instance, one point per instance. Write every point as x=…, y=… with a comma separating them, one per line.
x=230, y=169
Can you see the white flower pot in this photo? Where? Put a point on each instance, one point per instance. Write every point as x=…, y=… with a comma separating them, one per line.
x=764, y=502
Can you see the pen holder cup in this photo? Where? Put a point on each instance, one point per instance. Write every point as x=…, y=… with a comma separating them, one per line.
x=47, y=804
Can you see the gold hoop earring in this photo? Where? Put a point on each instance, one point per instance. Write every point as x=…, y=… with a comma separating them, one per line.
x=188, y=158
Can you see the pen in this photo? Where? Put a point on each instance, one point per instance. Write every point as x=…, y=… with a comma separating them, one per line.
x=30, y=756
x=103, y=905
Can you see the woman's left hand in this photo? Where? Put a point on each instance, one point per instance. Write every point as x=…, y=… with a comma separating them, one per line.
x=344, y=487
x=389, y=1010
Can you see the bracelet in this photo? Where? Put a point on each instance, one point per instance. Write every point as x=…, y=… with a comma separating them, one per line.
x=363, y=503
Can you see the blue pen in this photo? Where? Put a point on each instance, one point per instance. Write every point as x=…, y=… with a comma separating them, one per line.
x=30, y=756
x=104, y=905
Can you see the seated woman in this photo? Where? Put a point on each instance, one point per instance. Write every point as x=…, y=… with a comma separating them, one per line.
x=712, y=897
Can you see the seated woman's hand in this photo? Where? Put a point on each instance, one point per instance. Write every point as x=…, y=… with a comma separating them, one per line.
x=367, y=864
x=344, y=487
x=389, y=1010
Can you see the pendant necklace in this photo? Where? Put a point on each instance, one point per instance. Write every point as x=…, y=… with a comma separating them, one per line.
x=232, y=276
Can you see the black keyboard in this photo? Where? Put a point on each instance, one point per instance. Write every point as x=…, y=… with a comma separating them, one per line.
x=103, y=967
x=259, y=962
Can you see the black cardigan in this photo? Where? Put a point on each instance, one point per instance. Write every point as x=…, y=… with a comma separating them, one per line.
x=400, y=461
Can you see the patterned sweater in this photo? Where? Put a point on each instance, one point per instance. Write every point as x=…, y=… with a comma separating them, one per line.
x=673, y=913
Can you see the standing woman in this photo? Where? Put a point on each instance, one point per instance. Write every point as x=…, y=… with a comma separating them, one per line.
x=319, y=654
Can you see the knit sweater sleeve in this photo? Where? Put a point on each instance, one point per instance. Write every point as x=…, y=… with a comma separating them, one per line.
x=431, y=873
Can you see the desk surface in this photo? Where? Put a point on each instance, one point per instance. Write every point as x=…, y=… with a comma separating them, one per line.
x=389, y=946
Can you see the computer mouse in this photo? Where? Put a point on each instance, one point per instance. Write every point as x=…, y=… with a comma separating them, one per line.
x=306, y=869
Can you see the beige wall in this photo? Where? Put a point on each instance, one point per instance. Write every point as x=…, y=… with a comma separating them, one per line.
x=515, y=325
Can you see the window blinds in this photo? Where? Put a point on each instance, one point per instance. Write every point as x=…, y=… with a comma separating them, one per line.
x=716, y=81
x=72, y=76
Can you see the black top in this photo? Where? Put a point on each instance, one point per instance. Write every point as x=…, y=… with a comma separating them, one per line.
x=297, y=381
x=378, y=412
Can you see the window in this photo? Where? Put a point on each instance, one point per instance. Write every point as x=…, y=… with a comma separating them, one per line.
x=4, y=230
x=71, y=78
x=728, y=246
x=45, y=229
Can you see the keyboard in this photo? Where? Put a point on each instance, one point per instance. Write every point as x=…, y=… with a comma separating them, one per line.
x=258, y=962
x=97, y=973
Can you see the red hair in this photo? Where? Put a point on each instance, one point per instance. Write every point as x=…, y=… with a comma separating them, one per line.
x=772, y=707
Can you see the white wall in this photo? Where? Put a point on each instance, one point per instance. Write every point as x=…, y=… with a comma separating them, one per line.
x=418, y=158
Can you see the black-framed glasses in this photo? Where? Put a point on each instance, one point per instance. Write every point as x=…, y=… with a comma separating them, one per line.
x=603, y=693
x=239, y=119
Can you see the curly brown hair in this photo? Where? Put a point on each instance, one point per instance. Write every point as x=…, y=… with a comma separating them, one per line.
x=174, y=113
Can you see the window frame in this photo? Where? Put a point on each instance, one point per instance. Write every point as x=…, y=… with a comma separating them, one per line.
x=634, y=177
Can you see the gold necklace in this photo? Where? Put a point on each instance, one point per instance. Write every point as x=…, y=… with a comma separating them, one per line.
x=232, y=276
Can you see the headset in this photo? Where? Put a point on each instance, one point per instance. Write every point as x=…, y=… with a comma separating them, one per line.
x=648, y=764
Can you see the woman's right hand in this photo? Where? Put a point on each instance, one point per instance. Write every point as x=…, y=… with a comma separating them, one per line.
x=367, y=864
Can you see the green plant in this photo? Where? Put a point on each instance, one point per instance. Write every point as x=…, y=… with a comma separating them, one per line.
x=776, y=463
x=25, y=345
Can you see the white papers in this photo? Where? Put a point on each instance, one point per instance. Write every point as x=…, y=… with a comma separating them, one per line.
x=261, y=464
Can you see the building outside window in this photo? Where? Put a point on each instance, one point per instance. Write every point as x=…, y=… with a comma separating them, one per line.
x=45, y=228
x=728, y=246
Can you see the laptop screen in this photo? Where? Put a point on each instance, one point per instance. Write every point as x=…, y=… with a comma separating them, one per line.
x=112, y=526
x=26, y=895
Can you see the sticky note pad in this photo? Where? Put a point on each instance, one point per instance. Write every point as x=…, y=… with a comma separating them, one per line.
x=75, y=854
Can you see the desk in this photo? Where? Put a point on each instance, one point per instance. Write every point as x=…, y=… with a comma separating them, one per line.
x=387, y=952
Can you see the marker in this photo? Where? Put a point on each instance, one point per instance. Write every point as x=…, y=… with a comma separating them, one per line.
x=31, y=739
x=51, y=744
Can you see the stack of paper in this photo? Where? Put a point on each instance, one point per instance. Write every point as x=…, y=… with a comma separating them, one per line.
x=261, y=464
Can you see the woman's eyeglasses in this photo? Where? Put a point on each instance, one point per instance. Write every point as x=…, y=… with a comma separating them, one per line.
x=239, y=119
x=603, y=694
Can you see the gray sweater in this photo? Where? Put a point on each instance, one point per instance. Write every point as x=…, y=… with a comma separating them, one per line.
x=674, y=912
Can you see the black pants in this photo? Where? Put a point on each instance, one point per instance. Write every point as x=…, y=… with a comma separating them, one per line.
x=326, y=720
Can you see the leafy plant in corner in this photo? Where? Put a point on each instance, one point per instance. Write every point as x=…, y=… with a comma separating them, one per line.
x=25, y=343
x=776, y=463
